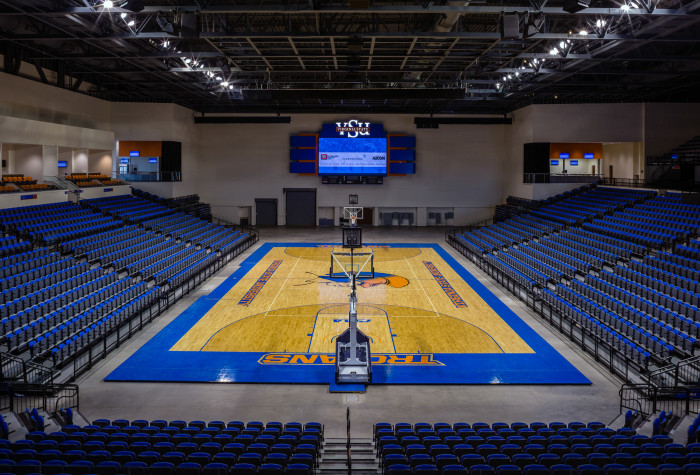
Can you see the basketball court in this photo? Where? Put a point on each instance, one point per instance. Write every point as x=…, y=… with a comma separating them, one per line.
x=276, y=318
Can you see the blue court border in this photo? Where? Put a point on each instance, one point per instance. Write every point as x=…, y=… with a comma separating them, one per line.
x=153, y=361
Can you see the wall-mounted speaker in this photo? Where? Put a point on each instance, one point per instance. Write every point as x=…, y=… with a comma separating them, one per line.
x=511, y=26
x=189, y=26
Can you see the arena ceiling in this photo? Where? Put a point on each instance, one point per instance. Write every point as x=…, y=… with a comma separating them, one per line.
x=358, y=55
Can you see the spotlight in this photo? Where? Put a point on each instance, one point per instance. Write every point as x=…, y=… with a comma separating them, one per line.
x=165, y=25
x=625, y=7
x=583, y=32
x=225, y=83
x=554, y=51
x=562, y=44
x=600, y=23
x=131, y=23
x=123, y=15
x=231, y=86
x=108, y=4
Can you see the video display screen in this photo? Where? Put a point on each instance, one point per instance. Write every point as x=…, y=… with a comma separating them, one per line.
x=352, y=156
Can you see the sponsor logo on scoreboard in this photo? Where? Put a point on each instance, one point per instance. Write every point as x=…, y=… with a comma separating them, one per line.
x=406, y=359
x=445, y=285
x=353, y=128
x=259, y=284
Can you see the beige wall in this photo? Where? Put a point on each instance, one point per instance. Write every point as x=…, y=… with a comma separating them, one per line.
x=668, y=125
x=26, y=99
x=456, y=167
x=625, y=158
x=28, y=160
x=467, y=168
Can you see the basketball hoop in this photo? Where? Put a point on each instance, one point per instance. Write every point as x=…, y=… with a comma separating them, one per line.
x=352, y=213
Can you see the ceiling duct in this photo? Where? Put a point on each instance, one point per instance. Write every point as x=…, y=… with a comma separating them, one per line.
x=444, y=24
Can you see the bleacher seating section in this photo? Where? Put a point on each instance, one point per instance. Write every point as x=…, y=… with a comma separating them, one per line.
x=19, y=179
x=53, y=304
x=15, y=183
x=90, y=180
x=621, y=263
x=535, y=449
x=167, y=447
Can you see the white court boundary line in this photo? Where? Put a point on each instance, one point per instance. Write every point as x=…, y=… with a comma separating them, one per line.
x=282, y=286
x=437, y=314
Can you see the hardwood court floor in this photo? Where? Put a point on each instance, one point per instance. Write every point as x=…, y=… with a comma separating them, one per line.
x=275, y=320
x=404, y=309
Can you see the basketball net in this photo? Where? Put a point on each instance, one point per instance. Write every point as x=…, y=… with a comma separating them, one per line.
x=353, y=213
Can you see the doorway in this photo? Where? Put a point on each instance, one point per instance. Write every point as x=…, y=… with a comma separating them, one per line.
x=300, y=206
x=266, y=211
x=367, y=217
x=593, y=170
x=611, y=172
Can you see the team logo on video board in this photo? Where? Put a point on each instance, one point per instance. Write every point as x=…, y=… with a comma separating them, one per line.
x=353, y=128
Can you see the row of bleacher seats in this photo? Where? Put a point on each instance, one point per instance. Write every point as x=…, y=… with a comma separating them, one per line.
x=25, y=261
x=652, y=302
x=83, y=245
x=515, y=273
x=11, y=245
x=38, y=187
x=226, y=243
x=645, y=308
x=179, y=273
x=538, y=448
x=71, y=307
x=593, y=320
x=665, y=262
x=159, y=447
x=536, y=264
x=634, y=309
x=130, y=209
x=18, y=179
x=52, y=306
x=100, y=327
x=54, y=223
x=631, y=327
x=555, y=259
x=56, y=286
x=54, y=263
x=572, y=253
x=117, y=249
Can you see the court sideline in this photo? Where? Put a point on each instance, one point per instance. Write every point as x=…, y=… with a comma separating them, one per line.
x=313, y=402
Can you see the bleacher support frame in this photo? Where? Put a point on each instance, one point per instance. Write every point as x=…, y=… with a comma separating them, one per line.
x=16, y=369
x=44, y=397
x=649, y=399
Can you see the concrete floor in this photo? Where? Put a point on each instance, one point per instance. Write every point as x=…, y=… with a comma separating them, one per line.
x=284, y=402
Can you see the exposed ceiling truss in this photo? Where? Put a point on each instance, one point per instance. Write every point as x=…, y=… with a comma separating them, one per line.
x=322, y=56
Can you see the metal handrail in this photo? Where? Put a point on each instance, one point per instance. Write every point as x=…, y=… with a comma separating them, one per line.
x=648, y=399
x=348, y=445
